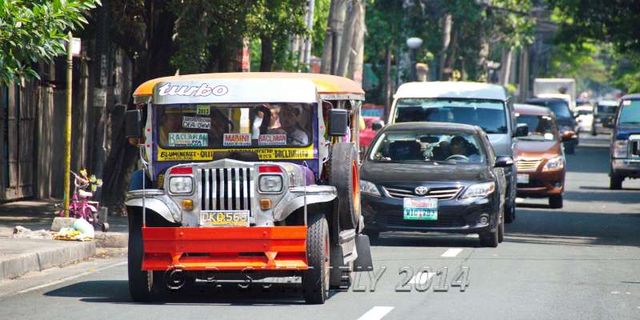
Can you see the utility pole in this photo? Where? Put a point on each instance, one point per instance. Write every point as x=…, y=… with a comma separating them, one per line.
x=67, y=131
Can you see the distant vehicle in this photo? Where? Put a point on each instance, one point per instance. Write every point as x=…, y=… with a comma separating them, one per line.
x=539, y=157
x=429, y=176
x=562, y=88
x=625, y=144
x=566, y=122
x=481, y=104
x=372, y=115
x=605, y=112
x=584, y=118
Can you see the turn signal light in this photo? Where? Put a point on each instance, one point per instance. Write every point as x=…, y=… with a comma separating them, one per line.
x=187, y=204
x=265, y=204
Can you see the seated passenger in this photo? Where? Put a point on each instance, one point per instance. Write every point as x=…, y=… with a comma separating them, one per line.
x=405, y=150
x=288, y=116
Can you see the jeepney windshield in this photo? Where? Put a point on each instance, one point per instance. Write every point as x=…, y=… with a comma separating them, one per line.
x=233, y=126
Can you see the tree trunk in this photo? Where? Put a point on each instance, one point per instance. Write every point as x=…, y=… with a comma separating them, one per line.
x=346, y=45
x=330, y=55
x=506, y=62
x=388, y=86
x=356, y=71
x=447, y=23
x=266, y=57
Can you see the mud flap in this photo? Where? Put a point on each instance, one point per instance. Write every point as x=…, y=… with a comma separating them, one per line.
x=364, y=262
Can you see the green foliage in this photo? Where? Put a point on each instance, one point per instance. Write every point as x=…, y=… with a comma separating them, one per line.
x=31, y=31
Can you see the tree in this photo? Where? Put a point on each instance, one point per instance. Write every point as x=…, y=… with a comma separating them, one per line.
x=32, y=31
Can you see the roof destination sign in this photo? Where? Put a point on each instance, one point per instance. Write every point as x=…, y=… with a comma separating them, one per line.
x=235, y=91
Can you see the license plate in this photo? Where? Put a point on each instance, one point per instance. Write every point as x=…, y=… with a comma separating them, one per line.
x=523, y=178
x=226, y=218
x=420, y=209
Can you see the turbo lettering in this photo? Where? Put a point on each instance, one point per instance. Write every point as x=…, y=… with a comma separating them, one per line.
x=202, y=91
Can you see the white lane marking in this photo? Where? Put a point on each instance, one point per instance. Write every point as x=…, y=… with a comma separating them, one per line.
x=424, y=277
x=72, y=277
x=451, y=253
x=376, y=313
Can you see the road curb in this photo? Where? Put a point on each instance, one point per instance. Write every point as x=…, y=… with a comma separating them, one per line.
x=111, y=239
x=48, y=258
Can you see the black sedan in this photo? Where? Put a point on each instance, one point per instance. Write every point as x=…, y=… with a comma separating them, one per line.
x=438, y=177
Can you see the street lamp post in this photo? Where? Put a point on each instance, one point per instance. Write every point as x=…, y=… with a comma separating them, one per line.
x=413, y=43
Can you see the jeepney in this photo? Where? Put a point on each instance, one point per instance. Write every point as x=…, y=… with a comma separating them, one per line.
x=245, y=173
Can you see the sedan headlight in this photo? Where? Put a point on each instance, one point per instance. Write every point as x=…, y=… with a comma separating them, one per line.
x=369, y=188
x=555, y=163
x=621, y=149
x=180, y=185
x=270, y=183
x=479, y=190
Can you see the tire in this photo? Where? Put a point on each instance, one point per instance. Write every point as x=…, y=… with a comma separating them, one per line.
x=615, y=182
x=570, y=148
x=345, y=176
x=316, y=280
x=555, y=201
x=490, y=238
x=510, y=213
x=143, y=285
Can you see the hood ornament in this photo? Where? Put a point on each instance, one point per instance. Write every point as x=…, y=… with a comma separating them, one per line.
x=421, y=190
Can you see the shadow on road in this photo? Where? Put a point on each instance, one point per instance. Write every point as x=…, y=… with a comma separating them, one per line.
x=117, y=291
x=574, y=228
x=417, y=239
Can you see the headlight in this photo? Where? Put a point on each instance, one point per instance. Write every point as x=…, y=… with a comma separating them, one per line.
x=180, y=185
x=555, y=163
x=270, y=183
x=369, y=188
x=479, y=190
x=621, y=149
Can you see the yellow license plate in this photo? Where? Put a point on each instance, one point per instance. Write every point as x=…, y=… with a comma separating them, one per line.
x=226, y=218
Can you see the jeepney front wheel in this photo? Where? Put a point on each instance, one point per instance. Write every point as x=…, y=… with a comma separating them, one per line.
x=143, y=285
x=345, y=176
x=315, y=280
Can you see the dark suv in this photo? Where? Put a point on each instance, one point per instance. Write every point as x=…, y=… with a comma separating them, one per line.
x=625, y=142
x=566, y=122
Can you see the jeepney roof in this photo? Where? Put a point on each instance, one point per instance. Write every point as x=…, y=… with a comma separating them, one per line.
x=328, y=86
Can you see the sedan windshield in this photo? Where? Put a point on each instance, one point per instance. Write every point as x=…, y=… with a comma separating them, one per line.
x=225, y=126
x=487, y=114
x=540, y=127
x=419, y=146
x=630, y=112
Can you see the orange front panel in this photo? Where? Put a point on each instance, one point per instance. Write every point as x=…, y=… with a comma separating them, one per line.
x=191, y=249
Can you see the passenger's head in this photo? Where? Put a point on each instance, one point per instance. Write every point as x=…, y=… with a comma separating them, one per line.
x=289, y=116
x=458, y=145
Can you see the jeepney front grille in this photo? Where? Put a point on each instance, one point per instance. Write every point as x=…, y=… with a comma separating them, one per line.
x=226, y=188
x=445, y=193
x=528, y=165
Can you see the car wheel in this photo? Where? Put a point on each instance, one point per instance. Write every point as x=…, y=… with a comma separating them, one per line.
x=555, y=201
x=615, y=182
x=374, y=235
x=570, y=149
x=143, y=285
x=315, y=280
x=490, y=238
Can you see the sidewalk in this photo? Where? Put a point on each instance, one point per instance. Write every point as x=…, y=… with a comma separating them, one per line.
x=19, y=255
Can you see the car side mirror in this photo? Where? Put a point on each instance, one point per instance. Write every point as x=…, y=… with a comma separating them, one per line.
x=377, y=125
x=134, y=125
x=522, y=130
x=503, y=162
x=338, y=122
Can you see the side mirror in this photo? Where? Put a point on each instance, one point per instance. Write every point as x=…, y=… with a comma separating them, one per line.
x=522, y=130
x=134, y=124
x=338, y=122
x=377, y=125
x=503, y=162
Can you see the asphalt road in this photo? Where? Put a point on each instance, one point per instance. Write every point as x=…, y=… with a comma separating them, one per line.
x=580, y=262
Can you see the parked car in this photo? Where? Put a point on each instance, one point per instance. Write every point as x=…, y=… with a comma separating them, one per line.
x=604, y=113
x=372, y=115
x=625, y=144
x=584, y=117
x=481, y=104
x=539, y=158
x=566, y=122
x=429, y=176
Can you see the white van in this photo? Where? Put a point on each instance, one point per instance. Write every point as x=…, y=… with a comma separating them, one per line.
x=481, y=104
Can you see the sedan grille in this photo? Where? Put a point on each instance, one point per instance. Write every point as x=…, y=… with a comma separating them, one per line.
x=442, y=193
x=528, y=165
x=226, y=188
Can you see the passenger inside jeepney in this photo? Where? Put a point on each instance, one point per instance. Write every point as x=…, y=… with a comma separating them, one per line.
x=290, y=125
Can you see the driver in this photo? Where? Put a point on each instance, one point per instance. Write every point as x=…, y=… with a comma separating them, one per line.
x=461, y=147
x=288, y=116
